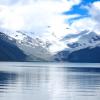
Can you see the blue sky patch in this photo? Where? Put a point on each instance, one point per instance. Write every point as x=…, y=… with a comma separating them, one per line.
x=79, y=9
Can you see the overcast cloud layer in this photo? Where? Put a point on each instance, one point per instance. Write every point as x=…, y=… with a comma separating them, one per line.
x=35, y=15
x=45, y=16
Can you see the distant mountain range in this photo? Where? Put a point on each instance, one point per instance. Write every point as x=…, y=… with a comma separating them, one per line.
x=18, y=46
x=86, y=48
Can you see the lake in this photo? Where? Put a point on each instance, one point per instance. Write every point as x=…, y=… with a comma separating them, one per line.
x=49, y=81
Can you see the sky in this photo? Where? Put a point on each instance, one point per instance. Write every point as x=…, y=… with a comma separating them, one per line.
x=57, y=17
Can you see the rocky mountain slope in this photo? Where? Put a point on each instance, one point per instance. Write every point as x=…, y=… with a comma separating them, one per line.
x=83, y=47
x=23, y=46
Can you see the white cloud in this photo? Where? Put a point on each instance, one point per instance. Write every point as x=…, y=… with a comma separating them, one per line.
x=35, y=15
x=97, y=5
x=95, y=12
x=83, y=24
x=91, y=23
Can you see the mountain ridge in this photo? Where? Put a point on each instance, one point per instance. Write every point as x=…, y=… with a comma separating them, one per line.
x=87, y=44
x=35, y=49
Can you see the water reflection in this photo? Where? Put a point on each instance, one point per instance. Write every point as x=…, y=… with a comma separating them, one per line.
x=49, y=82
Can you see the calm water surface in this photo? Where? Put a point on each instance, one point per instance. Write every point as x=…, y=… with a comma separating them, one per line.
x=49, y=81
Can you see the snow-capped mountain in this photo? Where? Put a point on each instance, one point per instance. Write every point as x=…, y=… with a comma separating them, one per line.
x=84, y=40
x=33, y=47
x=9, y=51
x=86, y=43
x=36, y=48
